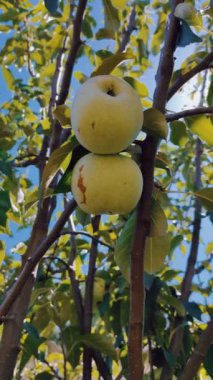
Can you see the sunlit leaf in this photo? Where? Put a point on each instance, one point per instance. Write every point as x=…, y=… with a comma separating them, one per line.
x=119, y=4
x=9, y=79
x=60, y=158
x=206, y=197
x=62, y=114
x=2, y=251
x=111, y=20
x=108, y=65
x=140, y=87
x=156, y=250
x=202, y=126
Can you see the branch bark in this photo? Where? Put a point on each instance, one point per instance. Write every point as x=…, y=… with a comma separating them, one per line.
x=182, y=79
x=192, y=259
x=88, y=302
x=34, y=257
x=198, y=354
x=149, y=149
x=190, y=112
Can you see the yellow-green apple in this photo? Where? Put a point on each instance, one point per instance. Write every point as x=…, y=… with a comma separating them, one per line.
x=106, y=184
x=106, y=114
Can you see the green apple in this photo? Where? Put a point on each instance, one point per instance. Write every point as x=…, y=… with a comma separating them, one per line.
x=110, y=184
x=106, y=114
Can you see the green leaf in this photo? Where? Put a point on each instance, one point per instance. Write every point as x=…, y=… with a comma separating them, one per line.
x=208, y=362
x=64, y=185
x=186, y=36
x=111, y=19
x=44, y=376
x=139, y=87
x=123, y=247
x=60, y=158
x=158, y=220
x=100, y=342
x=178, y=134
x=206, y=197
x=187, y=12
x=202, y=126
x=5, y=205
x=82, y=218
x=8, y=77
x=174, y=302
x=175, y=242
x=119, y=4
x=104, y=33
x=156, y=249
x=108, y=65
x=193, y=309
x=155, y=123
x=63, y=115
x=51, y=5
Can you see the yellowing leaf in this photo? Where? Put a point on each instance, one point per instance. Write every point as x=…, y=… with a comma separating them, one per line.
x=202, y=126
x=206, y=197
x=155, y=123
x=119, y=4
x=20, y=248
x=139, y=87
x=8, y=77
x=59, y=159
x=110, y=63
x=1, y=279
x=46, y=124
x=62, y=114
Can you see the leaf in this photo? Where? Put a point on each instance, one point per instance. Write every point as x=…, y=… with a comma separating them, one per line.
x=202, y=126
x=111, y=19
x=62, y=114
x=187, y=12
x=193, y=309
x=206, y=197
x=186, y=36
x=208, y=362
x=58, y=159
x=119, y=4
x=210, y=92
x=64, y=185
x=82, y=218
x=175, y=242
x=174, y=302
x=139, y=87
x=100, y=342
x=8, y=77
x=51, y=5
x=108, y=65
x=5, y=205
x=2, y=251
x=44, y=376
x=155, y=123
x=156, y=249
x=178, y=134
x=158, y=220
x=104, y=33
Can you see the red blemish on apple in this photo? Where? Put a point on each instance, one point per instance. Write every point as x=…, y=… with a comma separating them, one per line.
x=81, y=185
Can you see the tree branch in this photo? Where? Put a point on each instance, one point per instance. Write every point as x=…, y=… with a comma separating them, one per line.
x=182, y=79
x=190, y=112
x=137, y=294
x=88, y=302
x=198, y=355
x=128, y=31
x=33, y=260
x=76, y=43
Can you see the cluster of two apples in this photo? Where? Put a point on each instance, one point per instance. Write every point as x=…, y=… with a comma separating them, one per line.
x=106, y=118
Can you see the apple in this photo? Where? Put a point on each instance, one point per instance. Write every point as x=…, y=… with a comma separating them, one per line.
x=110, y=184
x=106, y=114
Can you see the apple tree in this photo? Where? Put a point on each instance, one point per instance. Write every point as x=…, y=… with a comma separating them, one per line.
x=85, y=296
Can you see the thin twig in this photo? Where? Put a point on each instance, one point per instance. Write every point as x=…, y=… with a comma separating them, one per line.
x=190, y=112
x=182, y=79
x=89, y=236
x=128, y=31
x=33, y=260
